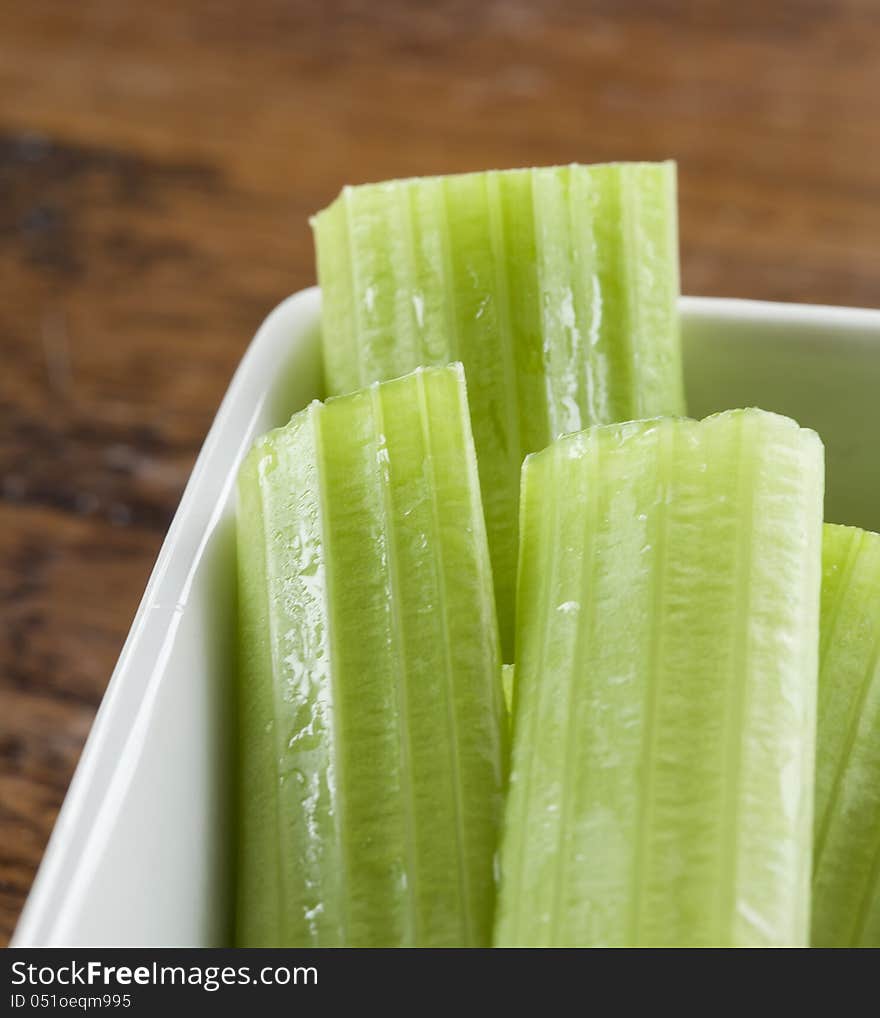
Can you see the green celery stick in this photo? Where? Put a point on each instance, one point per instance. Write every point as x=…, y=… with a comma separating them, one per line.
x=556, y=287
x=661, y=783
x=846, y=866
x=373, y=727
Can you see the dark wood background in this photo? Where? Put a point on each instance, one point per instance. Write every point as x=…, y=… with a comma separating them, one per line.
x=158, y=162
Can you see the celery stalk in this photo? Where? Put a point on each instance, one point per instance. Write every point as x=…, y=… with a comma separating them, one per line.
x=664, y=716
x=372, y=721
x=556, y=287
x=846, y=868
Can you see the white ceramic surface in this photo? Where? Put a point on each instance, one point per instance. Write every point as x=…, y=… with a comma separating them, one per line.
x=140, y=853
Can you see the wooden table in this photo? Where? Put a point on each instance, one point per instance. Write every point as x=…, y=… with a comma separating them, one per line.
x=157, y=167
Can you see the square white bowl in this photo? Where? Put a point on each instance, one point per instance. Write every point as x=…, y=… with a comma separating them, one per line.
x=140, y=854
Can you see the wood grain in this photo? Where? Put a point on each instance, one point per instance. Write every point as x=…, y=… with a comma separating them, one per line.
x=157, y=167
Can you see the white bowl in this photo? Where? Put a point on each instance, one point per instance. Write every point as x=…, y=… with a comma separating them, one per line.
x=140, y=854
